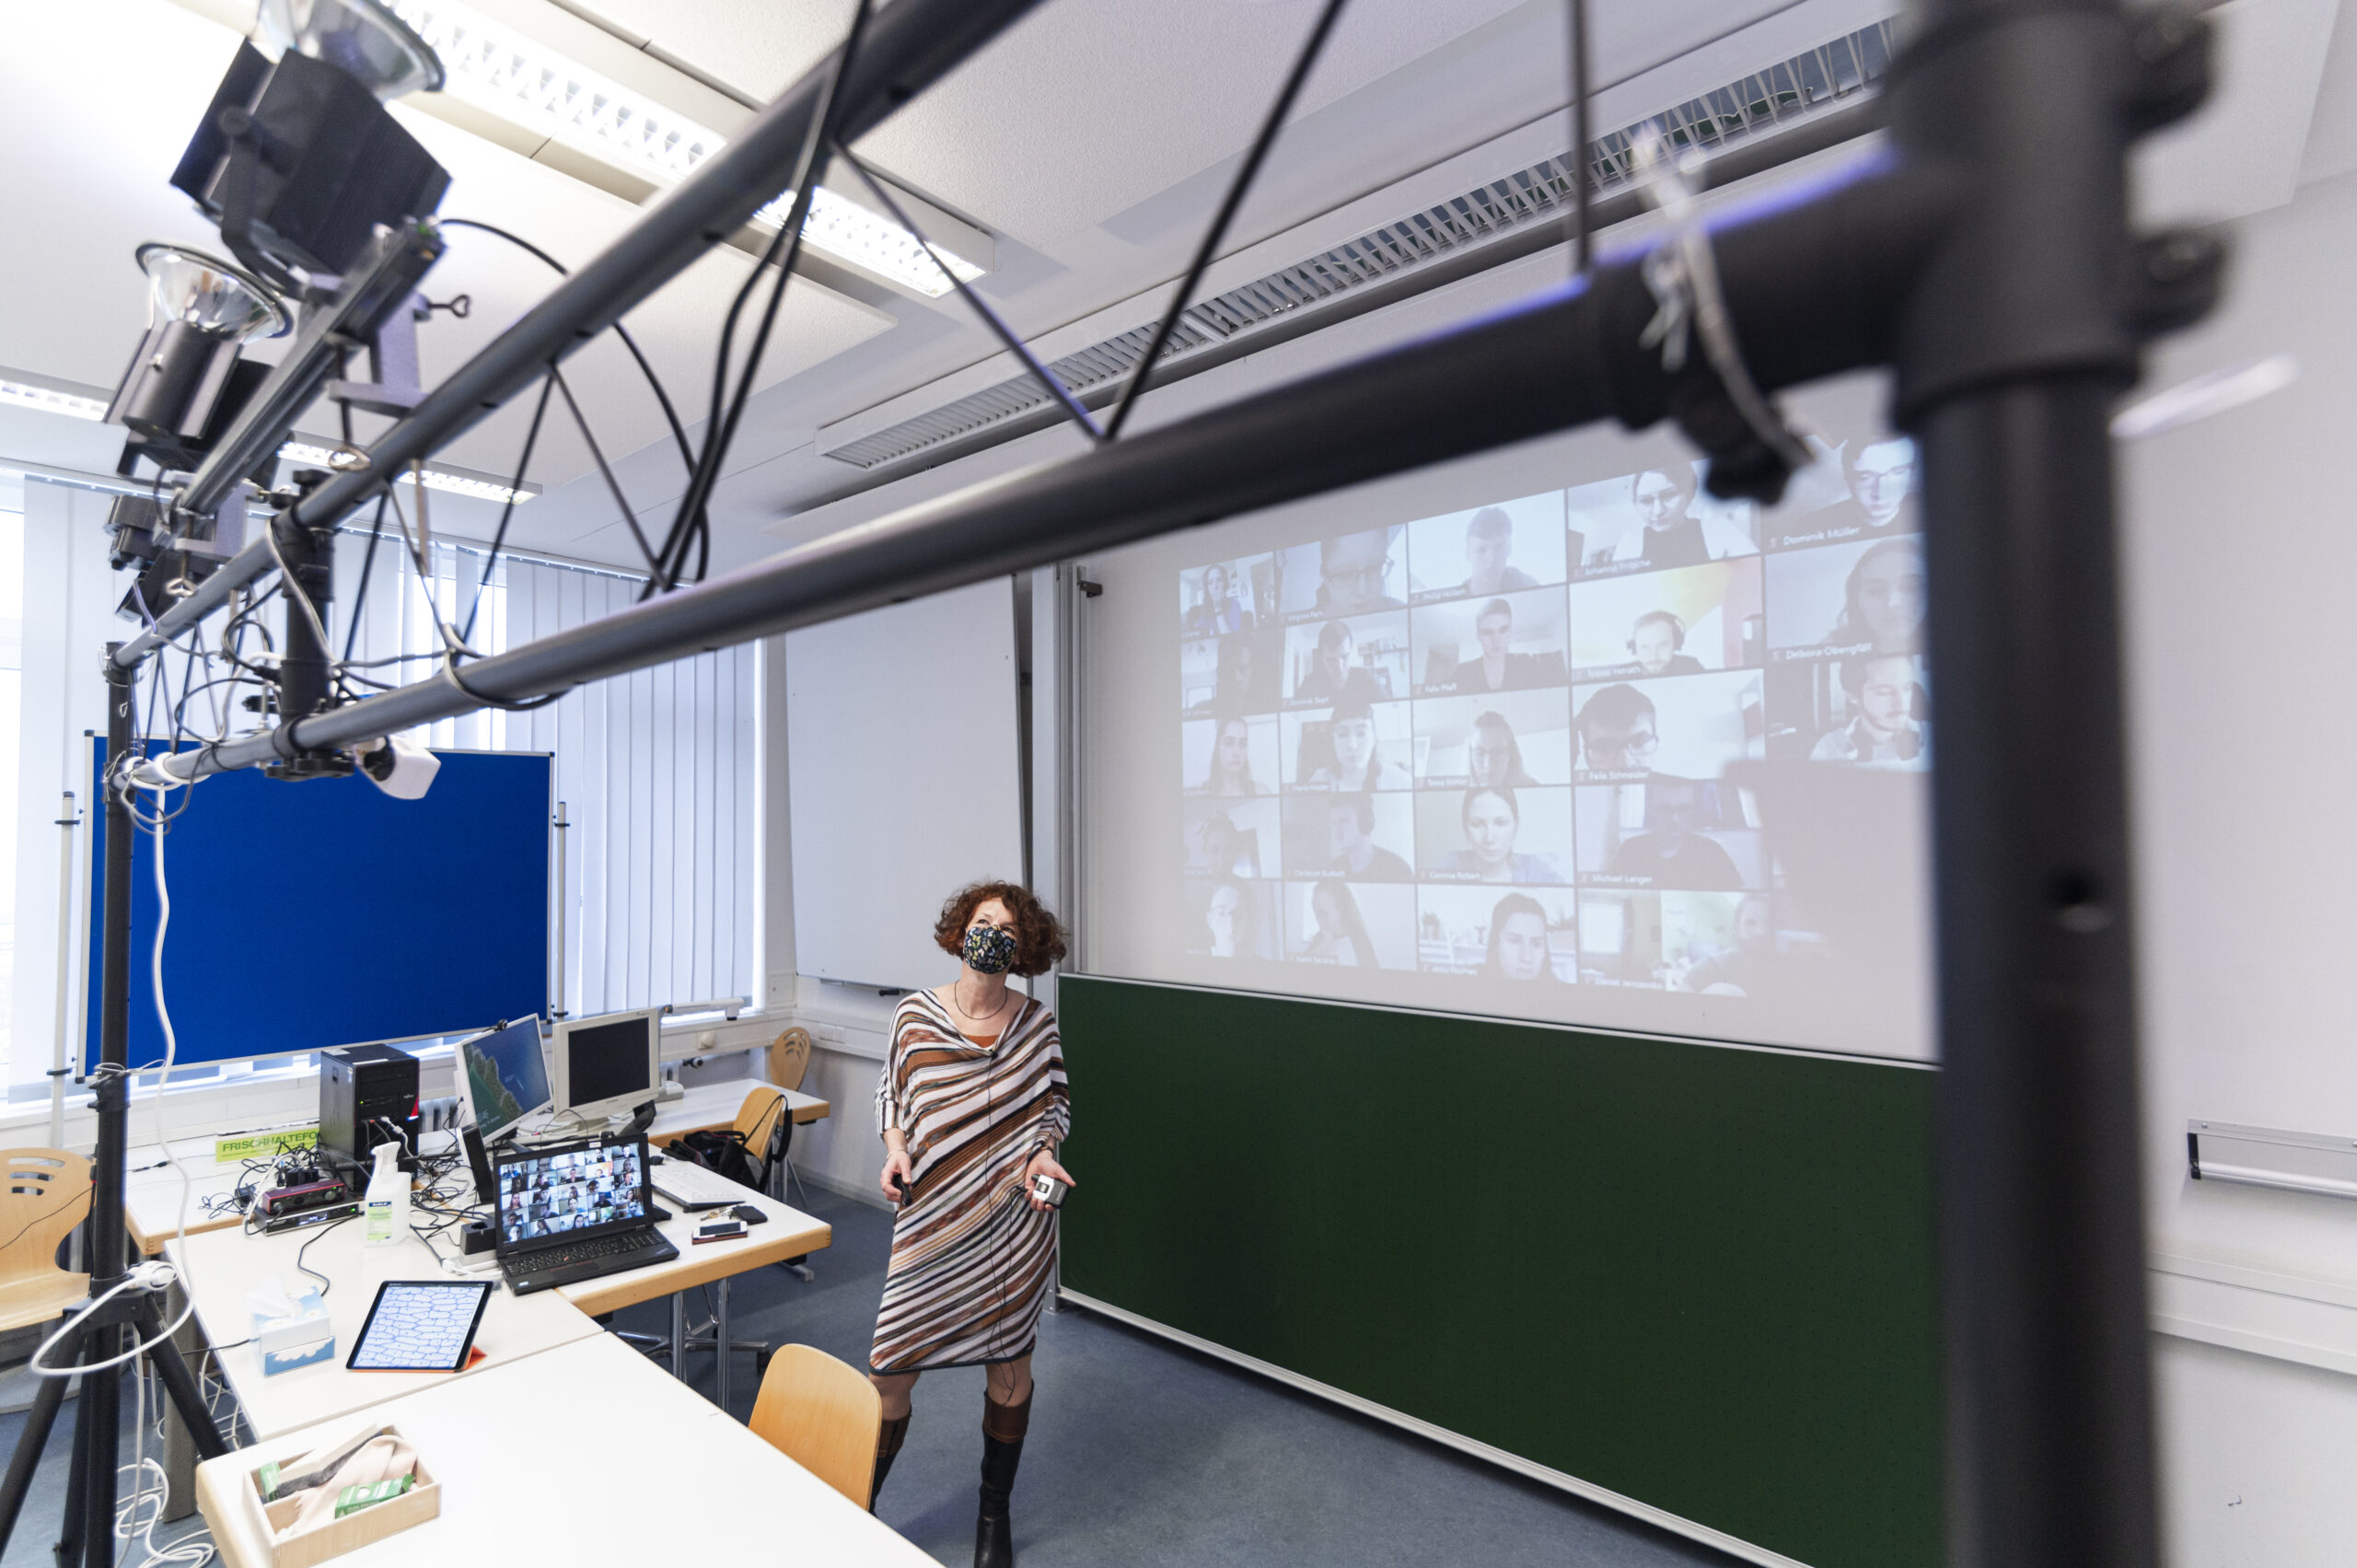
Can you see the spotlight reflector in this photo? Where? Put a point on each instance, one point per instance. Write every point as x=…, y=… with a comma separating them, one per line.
x=361, y=38
x=200, y=311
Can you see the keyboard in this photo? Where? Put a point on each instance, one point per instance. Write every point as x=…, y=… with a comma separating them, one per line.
x=590, y=1260
x=692, y=1187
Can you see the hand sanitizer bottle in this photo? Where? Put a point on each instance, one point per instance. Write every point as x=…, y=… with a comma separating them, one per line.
x=385, y=1208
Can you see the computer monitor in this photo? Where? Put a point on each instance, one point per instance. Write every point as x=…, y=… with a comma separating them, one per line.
x=610, y=1062
x=504, y=1075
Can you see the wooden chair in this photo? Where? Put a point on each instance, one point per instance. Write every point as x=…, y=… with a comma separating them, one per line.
x=824, y=1415
x=767, y=1128
x=790, y=1058
x=44, y=1193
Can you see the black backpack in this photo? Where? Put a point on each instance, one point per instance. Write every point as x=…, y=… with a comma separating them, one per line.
x=729, y=1152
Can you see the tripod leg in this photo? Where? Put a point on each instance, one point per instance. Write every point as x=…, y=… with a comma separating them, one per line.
x=102, y=1410
x=77, y=1481
x=31, y=1442
x=180, y=1383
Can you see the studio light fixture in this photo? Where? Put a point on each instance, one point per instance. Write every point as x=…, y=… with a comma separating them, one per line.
x=201, y=311
x=507, y=75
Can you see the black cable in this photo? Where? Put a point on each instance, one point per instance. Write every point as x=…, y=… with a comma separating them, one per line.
x=368, y=566
x=1583, y=241
x=499, y=536
x=325, y=1284
x=647, y=367
x=1227, y=208
x=788, y=240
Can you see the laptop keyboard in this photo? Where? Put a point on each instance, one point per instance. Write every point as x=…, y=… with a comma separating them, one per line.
x=580, y=1252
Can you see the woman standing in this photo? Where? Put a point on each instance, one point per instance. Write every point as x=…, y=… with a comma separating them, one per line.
x=972, y=1106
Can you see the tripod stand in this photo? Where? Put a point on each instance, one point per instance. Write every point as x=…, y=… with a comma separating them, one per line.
x=87, y=1536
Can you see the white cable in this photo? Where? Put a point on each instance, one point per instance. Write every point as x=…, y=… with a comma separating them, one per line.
x=144, y=1274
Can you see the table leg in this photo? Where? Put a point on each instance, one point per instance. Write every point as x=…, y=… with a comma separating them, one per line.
x=179, y=1444
x=680, y=1334
x=720, y=1338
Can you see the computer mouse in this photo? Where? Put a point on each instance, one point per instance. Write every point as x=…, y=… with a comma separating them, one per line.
x=751, y=1215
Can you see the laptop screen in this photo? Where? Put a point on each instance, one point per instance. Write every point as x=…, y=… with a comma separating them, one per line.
x=565, y=1191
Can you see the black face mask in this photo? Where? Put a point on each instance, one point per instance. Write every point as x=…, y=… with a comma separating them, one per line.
x=989, y=949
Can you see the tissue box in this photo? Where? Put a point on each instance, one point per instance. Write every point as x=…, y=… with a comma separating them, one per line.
x=305, y=1338
x=334, y=1537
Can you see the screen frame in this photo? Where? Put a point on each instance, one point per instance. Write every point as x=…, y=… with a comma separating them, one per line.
x=511, y=1153
x=482, y=1288
x=560, y=1065
x=465, y=1081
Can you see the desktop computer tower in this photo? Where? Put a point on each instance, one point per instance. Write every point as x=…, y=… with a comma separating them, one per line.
x=367, y=1097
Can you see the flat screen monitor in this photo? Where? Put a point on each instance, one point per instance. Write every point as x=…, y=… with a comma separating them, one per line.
x=610, y=1062
x=505, y=1076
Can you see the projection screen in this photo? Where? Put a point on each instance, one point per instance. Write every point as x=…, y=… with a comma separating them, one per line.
x=1547, y=734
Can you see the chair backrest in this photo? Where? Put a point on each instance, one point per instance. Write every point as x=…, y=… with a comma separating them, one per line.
x=824, y=1415
x=44, y=1193
x=790, y=1058
x=766, y=1126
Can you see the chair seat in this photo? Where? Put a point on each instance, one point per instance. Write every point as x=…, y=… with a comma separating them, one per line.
x=40, y=1299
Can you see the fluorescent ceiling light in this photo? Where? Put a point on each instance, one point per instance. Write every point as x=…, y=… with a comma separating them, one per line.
x=16, y=394
x=19, y=394
x=436, y=479
x=507, y=74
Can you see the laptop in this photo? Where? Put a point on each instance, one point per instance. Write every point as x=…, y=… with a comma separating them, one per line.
x=565, y=1213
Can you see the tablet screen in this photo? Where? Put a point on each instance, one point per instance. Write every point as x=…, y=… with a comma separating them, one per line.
x=420, y=1326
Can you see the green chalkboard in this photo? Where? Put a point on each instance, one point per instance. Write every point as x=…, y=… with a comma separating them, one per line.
x=1697, y=1275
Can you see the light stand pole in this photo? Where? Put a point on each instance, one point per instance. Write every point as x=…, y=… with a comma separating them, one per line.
x=88, y=1530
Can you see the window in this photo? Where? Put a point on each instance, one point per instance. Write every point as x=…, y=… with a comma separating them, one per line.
x=12, y=625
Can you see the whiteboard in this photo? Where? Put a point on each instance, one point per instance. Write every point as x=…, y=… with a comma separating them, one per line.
x=903, y=778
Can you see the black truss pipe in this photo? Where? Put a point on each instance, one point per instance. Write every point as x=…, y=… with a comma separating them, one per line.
x=1566, y=359
x=908, y=46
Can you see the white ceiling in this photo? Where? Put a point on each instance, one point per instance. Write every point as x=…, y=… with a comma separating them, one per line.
x=1094, y=139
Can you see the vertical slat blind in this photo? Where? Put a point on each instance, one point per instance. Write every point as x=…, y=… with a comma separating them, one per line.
x=655, y=769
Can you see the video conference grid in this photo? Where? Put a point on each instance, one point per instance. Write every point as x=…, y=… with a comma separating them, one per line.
x=1495, y=741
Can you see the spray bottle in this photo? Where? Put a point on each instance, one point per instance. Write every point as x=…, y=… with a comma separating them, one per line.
x=385, y=1208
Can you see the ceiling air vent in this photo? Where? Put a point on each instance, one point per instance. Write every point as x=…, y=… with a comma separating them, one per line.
x=1762, y=102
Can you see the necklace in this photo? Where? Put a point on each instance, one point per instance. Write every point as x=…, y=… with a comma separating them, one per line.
x=982, y=1018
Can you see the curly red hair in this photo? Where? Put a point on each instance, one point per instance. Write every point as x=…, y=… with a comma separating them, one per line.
x=1038, y=938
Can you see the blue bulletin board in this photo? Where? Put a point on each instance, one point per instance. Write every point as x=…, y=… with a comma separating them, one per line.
x=326, y=913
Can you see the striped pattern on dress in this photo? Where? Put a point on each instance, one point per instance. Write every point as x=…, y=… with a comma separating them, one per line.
x=972, y=1263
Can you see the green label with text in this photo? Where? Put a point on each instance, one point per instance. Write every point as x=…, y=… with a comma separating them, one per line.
x=263, y=1146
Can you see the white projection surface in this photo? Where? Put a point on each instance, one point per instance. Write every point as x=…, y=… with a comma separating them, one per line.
x=1549, y=733
x=904, y=771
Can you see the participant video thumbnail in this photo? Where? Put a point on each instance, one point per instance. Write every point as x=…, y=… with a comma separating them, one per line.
x=1515, y=936
x=1236, y=672
x=1655, y=519
x=1352, y=925
x=1843, y=599
x=1354, y=833
x=1358, y=658
x=1507, y=643
x=1493, y=833
x=1232, y=757
x=1227, y=596
x=1872, y=710
x=1872, y=494
x=1353, y=745
x=1350, y=573
x=1488, y=551
x=1693, y=725
x=1232, y=917
x=1667, y=833
x=1516, y=739
x=1677, y=622
x=1231, y=838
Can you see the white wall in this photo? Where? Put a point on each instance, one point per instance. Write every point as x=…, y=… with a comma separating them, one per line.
x=2239, y=560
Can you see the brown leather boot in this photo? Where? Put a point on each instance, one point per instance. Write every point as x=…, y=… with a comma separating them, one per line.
x=1003, y=1430
x=889, y=1438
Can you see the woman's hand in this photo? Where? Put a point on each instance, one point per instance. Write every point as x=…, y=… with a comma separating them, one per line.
x=896, y=1163
x=1043, y=1164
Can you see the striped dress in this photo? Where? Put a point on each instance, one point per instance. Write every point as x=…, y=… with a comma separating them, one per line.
x=972, y=1263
